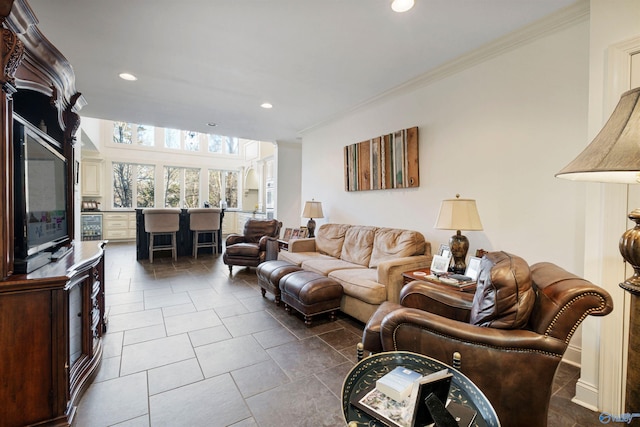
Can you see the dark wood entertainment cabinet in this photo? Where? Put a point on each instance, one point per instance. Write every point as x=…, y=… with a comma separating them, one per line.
x=52, y=319
x=51, y=324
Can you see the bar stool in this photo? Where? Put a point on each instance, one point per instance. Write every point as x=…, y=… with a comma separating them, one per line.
x=204, y=221
x=162, y=222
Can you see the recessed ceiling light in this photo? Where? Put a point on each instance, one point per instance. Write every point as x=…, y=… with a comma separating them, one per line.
x=402, y=5
x=266, y=105
x=212, y=124
x=128, y=76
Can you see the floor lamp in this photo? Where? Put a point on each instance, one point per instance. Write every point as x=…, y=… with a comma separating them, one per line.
x=614, y=156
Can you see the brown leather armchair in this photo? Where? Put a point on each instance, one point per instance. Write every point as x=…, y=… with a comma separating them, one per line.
x=514, y=367
x=257, y=244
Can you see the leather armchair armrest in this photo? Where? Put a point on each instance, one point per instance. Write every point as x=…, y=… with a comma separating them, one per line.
x=232, y=239
x=272, y=247
x=422, y=332
x=262, y=243
x=302, y=245
x=437, y=299
x=269, y=245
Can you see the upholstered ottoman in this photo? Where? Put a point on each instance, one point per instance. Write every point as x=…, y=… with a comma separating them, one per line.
x=269, y=274
x=310, y=293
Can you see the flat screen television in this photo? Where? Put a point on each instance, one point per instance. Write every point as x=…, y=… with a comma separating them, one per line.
x=41, y=219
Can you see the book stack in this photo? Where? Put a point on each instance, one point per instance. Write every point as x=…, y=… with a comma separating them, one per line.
x=456, y=280
x=398, y=383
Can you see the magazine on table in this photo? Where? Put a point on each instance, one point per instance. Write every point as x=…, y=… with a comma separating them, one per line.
x=468, y=279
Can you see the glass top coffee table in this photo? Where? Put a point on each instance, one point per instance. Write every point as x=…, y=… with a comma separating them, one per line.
x=363, y=376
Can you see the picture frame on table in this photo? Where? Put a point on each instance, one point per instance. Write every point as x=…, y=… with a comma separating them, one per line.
x=444, y=250
x=440, y=264
x=473, y=268
x=295, y=234
x=304, y=232
x=287, y=234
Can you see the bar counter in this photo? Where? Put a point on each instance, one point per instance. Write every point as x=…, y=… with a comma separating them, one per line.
x=184, y=237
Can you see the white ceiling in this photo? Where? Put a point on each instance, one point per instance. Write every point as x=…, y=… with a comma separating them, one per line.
x=201, y=61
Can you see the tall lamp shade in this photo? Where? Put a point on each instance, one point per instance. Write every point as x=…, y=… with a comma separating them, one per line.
x=458, y=214
x=312, y=209
x=614, y=156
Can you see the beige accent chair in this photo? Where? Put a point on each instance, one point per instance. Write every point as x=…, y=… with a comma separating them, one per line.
x=159, y=222
x=204, y=221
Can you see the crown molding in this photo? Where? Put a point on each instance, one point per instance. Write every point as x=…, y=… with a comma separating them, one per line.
x=558, y=21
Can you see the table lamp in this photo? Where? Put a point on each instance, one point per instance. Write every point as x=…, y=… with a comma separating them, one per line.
x=458, y=214
x=614, y=157
x=312, y=210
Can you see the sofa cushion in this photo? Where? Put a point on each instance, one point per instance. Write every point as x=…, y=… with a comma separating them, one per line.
x=326, y=265
x=361, y=284
x=392, y=243
x=504, y=297
x=358, y=244
x=243, y=249
x=299, y=257
x=329, y=239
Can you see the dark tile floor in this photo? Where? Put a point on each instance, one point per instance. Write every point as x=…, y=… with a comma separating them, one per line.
x=188, y=345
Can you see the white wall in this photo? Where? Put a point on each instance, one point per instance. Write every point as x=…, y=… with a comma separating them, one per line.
x=90, y=134
x=496, y=132
x=288, y=202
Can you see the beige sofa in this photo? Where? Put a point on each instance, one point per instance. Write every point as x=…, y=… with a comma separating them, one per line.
x=367, y=261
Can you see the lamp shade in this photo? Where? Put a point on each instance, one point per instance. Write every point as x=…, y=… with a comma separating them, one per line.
x=458, y=214
x=614, y=154
x=312, y=209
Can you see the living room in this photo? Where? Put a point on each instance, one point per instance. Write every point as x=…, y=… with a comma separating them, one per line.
x=496, y=125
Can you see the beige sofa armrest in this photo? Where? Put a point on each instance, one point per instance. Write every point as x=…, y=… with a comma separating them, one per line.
x=302, y=245
x=390, y=273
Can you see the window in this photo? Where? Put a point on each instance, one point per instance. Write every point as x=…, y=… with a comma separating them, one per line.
x=124, y=186
x=122, y=191
x=145, y=188
x=122, y=133
x=181, y=184
x=223, y=185
x=232, y=145
x=192, y=141
x=171, y=187
x=223, y=144
x=146, y=135
x=172, y=138
x=191, y=188
x=215, y=143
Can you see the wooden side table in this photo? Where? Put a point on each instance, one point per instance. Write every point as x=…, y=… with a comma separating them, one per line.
x=423, y=275
x=410, y=276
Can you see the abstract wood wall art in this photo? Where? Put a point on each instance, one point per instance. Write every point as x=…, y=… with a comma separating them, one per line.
x=386, y=162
